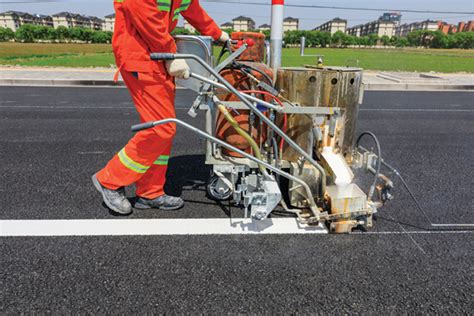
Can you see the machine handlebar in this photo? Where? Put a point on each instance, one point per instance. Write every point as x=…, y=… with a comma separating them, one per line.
x=162, y=56
x=143, y=126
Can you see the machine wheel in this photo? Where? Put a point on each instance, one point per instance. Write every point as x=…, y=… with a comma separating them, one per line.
x=217, y=193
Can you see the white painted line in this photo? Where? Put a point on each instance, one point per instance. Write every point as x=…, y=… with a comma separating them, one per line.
x=418, y=232
x=148, y=227
x=416, y=110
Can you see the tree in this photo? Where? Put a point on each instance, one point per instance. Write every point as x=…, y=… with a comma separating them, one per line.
x=401, y=42
x=101, y=37
x=26, y=33
x=6, y=34
x=338, y=38
x=415, y=38
x=385, y=40
x=180, y=31
x=62, y=33
x=462, y=40
x=373, y=39
x=440, y=40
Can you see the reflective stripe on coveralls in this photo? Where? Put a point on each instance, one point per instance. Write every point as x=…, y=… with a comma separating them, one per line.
x=184, y=6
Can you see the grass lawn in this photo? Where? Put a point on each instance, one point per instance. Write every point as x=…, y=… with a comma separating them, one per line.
x=100, y=55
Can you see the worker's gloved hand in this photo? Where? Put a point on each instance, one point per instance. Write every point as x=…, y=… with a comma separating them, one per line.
x=178, y=68
x=224, y=37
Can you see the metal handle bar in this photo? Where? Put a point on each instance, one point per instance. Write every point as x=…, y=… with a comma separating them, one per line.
x=313, y=206
x=247, y=96
x=253, y=108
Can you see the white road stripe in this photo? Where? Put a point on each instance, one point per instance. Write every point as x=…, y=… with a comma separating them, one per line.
x=416, y=110
x=142, y=227
x=418, y=232
x=170, y=227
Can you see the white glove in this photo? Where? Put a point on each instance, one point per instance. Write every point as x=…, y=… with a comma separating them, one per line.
x=178, y=68
x=224, y=37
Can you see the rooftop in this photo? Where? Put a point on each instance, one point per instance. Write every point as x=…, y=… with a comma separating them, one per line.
x=243, y=18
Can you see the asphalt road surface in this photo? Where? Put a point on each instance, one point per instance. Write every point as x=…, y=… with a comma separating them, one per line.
x=53, y=139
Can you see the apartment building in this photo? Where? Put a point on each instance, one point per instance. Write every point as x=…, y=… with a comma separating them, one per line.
x=379, y=28
x=243, y=24
x=227, y=26
x=427, y=25
x=265, y=27
x=68, y=19
x=189, y=27
x=333, y=26
x=395, y=17
x=291, y=24
x=109, y=23
x=15, y=19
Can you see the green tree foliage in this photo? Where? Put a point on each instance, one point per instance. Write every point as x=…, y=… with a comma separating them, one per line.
x=6, y=34
x=385, y=40
x=62, y=33
x=429, y=39
x=101, y=37
x=26, y=33
x=181, y=31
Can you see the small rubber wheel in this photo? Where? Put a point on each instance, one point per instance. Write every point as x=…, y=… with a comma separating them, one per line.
x=214, y=193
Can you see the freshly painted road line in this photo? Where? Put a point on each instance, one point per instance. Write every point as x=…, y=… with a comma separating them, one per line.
x=150, y=227
x=416, y=110
x=142, y=227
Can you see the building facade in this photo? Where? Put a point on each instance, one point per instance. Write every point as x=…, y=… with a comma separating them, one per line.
x=394, y=17
x=265, y=27
x=379, y=28
x=15, y=19
x=333, y=26
x=68, y=19
x=243, y=24
x=291, y=24
x=428, y=25
x=109, y=23
x=227, y=26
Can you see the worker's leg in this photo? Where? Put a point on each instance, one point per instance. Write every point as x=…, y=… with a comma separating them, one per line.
x=144, y=155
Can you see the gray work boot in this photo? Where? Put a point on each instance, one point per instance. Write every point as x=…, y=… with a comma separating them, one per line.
x=115, y=200
x=164, y=202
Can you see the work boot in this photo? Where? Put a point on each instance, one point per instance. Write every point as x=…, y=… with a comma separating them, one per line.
x=114, y=199
x=164, y=202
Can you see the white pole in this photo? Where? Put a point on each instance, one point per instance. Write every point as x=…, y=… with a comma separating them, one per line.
x=276, y=38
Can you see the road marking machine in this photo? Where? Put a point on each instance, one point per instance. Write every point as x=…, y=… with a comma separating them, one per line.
x=283, y=137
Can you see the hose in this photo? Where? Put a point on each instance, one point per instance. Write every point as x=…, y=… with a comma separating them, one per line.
x=379, y=160
x=285, y=117
x=245, y=135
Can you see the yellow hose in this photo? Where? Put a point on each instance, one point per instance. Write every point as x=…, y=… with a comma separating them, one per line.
x=244, y=134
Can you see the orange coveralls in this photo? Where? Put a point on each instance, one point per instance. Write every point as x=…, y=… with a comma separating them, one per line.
x=143, y=27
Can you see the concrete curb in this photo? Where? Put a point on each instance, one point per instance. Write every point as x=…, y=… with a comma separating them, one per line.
x=111, y=83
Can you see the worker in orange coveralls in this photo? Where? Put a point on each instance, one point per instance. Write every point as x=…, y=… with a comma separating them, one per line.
x=143, y=27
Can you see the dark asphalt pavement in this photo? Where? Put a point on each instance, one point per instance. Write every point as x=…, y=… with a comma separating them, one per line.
x=53, y=139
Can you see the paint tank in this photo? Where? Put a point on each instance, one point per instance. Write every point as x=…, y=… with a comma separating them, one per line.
x=321, y=87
